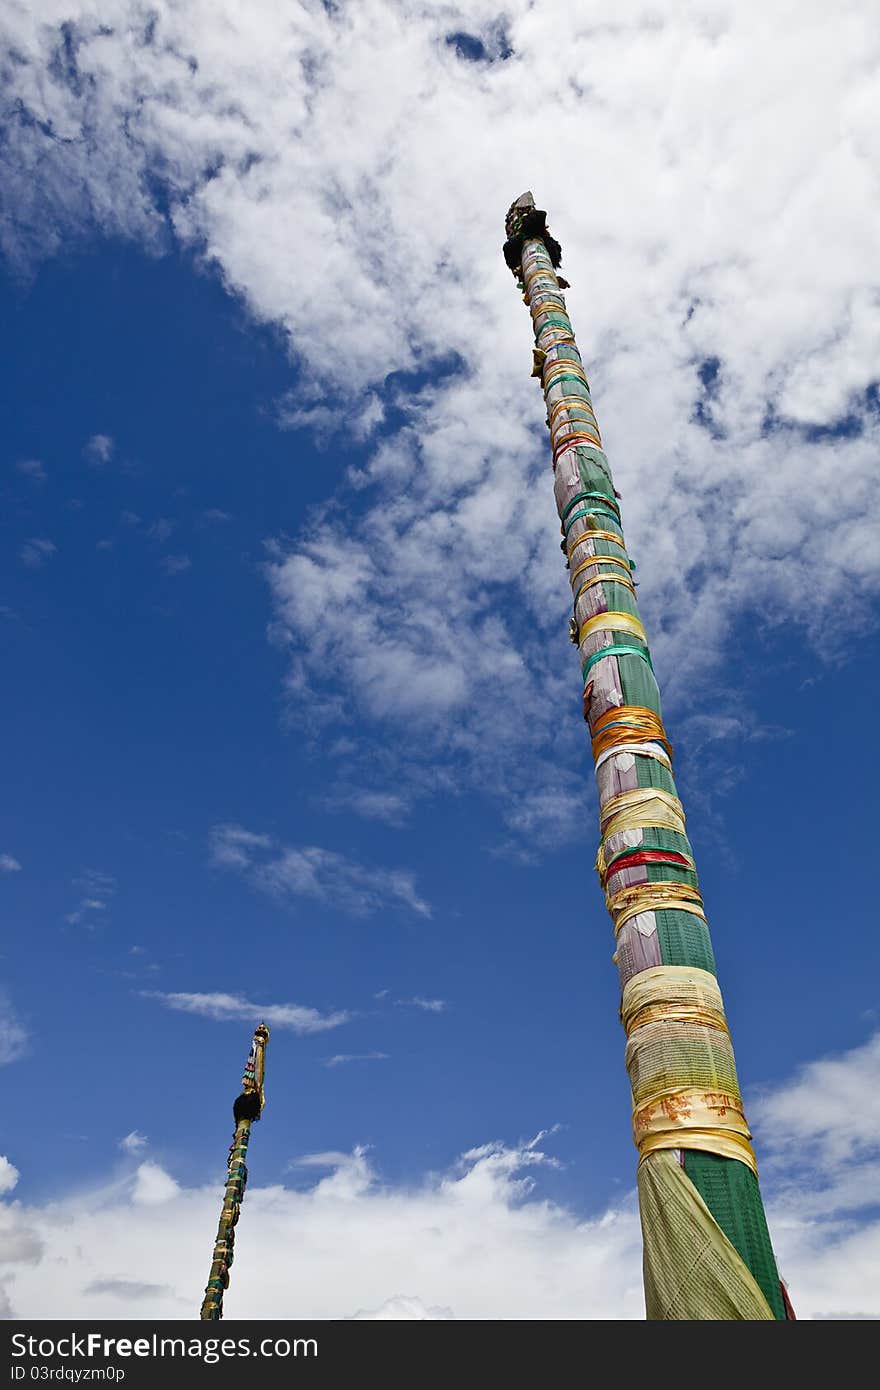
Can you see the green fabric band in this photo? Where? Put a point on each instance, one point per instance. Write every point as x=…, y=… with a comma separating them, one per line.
x=615, y=651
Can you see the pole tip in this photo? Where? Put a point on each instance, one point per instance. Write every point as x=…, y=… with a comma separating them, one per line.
x=524, y=220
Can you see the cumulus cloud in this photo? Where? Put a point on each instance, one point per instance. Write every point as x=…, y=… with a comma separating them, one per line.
x=153, y=1187
x=225, y=1007
x=719, y=226
x=474, y=1241
x=9, y=864
x=480, y=1239
x=830, y=1110
x=9, y=1175
x=728, y=313
x=822, y=1138
x=402, y=1309
x=308, y=871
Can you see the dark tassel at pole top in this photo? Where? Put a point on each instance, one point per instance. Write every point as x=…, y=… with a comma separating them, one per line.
x=525, y=220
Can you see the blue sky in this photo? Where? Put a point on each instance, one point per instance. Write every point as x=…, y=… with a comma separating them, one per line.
x=291, y=721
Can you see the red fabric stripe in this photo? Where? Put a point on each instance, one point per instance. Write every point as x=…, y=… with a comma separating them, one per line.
x=649, y=856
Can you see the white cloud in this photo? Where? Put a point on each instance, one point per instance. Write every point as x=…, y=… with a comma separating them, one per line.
x=402, y=1309
x=9, y=1175
x=97, y=888
x=99, y=449
x=472, y=1242
x=176, y=564
x=349, y=1176
x=13, y=1036
x=431, y=1006
x=834, y=1102
x=232, y=846
x=825, y=1124
x=153, y=1187
x=224, y=1008
x=33, y=469
x=35, y=552
x=308, y=871
x=388, y=806
x=20, y=1243
x=341, y=1058
x=479, y=1240
x=820, y=1145
x=8, y=864
x=133, y=1143
x=129, y=1290
x=684, y=245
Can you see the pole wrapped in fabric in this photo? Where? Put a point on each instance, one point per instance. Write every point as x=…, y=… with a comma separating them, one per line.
x=707, y=1251
x=246, y=1111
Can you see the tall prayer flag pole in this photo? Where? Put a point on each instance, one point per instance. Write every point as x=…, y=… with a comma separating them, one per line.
x=707, y=1251
x=247, y=1108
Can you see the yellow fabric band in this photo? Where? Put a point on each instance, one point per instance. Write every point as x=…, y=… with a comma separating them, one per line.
x=639, y=716
x=627, y=724
x=595, y=536
x=559, y=337
x=563, y=366
x=660, y=888
x=638, y=809
x=690, y=1107
x=689, y=1117
x=657, y=904
x=600, y=559
x=675, y=994
x=569, y=403
x=556, y=420
x=576, y=437
x=678, y=1013
x=606, y=579
x=531, y=272
x=638, y=797
x=545, y=306
x=612, y=622
x=712, y=1141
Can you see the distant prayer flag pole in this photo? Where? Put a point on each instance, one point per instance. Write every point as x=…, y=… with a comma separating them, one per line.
x=707, y=1251
x=246, y=1110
